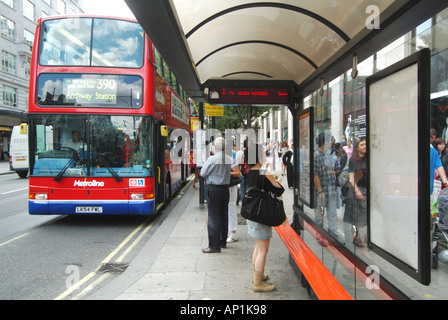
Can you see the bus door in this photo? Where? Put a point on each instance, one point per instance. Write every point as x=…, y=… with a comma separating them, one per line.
x=161, y=136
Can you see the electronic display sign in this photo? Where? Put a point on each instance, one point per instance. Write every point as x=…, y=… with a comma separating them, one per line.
x=89, y=90
x=253, y=96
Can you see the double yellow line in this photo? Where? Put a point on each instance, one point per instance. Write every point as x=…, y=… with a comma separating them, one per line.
x=145, y=226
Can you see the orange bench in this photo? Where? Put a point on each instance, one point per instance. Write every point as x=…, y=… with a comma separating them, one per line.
x=323, y=283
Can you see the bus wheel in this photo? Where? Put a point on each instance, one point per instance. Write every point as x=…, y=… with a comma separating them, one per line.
x=167, y=191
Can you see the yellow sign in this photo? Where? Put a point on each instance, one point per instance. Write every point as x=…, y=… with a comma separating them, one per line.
x=213, y=111
x=195, y=125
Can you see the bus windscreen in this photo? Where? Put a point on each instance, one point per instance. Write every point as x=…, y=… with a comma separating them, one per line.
x=79, y=145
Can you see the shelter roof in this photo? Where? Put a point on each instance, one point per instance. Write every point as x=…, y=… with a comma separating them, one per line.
x=299, y=41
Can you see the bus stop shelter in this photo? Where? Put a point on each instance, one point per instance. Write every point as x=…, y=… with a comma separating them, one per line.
x=276, y=52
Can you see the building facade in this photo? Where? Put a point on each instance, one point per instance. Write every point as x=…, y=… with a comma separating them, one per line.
x=17, y=26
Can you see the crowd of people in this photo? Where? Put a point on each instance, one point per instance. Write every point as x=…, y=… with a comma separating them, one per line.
x=217, y=172
x=340, y=190
x=340, y=187
x=340, y=184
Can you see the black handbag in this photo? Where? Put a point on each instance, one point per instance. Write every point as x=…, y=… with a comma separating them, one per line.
x=263, y=206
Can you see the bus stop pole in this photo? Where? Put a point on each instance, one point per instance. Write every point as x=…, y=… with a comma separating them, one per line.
x=201, y=180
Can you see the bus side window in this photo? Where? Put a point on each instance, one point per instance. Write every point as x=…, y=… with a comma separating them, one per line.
x=158, y=61
x=167, y=73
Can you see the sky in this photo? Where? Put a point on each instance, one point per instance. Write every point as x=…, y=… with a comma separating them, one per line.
x=108, y=7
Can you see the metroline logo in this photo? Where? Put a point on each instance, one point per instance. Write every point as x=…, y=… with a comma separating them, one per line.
x=93, y=183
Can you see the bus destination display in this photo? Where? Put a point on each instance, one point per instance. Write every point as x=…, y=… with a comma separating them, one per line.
x=91, y=90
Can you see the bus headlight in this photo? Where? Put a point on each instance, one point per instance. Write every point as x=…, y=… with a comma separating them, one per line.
x=142, y=196
x=38, y=196
x=136, y=196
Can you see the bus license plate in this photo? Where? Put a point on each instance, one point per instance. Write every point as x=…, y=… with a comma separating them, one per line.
x=89, y=210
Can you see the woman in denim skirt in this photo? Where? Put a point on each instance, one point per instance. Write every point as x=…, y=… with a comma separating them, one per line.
x=260, y=232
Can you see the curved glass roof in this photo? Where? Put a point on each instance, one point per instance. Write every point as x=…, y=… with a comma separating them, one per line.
x=300, y=41
x=269, y=40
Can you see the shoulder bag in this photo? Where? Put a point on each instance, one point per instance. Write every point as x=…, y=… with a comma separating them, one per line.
x=234, y=181
x=263, y=206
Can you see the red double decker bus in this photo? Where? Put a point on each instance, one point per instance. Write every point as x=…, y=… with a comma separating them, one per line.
x=102, y=105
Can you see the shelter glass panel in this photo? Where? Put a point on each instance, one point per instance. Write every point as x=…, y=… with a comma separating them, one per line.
x=340, y=112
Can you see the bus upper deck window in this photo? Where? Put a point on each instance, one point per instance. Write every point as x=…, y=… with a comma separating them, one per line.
x=66, y=42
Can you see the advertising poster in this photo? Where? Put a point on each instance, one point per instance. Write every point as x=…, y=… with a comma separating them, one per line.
x=305, y=153
x=398, y=189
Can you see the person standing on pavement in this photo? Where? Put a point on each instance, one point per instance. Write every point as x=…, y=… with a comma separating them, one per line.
x=287, y=161
x=357, y=168
x=260, y=232
x=233, y=195
x=240, y=160
x=216, y=172
x=325, y=185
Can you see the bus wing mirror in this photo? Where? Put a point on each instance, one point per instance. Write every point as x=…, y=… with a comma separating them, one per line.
x=164, y=131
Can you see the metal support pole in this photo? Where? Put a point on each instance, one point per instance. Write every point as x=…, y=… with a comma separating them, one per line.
x=201, y=180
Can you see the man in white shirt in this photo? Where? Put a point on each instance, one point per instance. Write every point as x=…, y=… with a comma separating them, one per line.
x=216, y=172
x=75, y=142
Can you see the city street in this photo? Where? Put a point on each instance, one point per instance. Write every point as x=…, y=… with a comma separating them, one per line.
x=41, y=257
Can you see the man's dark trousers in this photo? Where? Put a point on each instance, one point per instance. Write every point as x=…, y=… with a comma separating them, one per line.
x=218, y=218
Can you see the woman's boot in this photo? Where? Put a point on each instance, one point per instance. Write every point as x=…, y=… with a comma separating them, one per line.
x=265, y=275
x=259, y=285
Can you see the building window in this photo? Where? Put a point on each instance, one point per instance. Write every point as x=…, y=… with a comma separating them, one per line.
x=61, y=7
x=27, y=67
x=28, y=37
x=9, y=96
x=9, y=3
x=8, y=62
x=28, y=10
x=7, y=28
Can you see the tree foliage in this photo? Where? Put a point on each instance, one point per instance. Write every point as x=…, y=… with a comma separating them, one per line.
x=236, y=117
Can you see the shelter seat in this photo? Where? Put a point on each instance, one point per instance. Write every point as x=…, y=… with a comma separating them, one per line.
x=323, y=283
